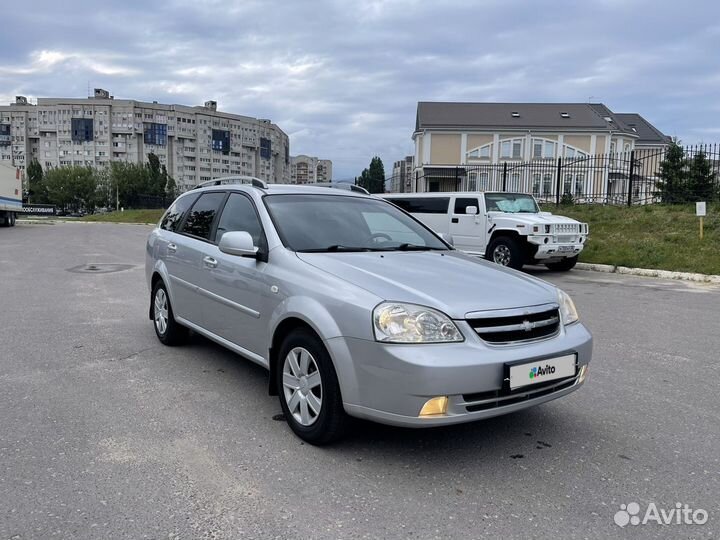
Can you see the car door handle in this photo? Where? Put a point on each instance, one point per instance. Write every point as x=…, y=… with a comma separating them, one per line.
x=455, y=220
x=172, y=248
x=210, y=262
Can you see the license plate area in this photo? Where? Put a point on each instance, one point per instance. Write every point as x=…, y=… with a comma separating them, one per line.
x=527, y=374
x=565, y=249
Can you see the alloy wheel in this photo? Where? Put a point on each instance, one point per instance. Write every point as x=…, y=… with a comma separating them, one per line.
x=502, y=255
x=160, y=311
x=302, y=386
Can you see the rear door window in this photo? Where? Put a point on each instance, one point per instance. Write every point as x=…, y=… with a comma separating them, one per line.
x=423, y=205
x=200, y=220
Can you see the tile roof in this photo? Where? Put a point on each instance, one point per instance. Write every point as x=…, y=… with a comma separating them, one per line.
x=547, y=116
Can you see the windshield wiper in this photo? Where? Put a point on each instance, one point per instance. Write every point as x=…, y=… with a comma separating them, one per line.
x=334, y=248
x=414, y=247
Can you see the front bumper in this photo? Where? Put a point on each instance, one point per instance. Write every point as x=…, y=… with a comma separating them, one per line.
x=556, y=250
x=390, y=383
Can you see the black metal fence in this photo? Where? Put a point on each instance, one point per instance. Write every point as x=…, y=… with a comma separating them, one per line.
x=642, y=176
x=142, y=201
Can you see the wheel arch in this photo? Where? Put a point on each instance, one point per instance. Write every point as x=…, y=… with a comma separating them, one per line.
x=283, y=329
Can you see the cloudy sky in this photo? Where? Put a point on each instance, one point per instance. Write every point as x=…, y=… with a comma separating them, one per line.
x=343, y=78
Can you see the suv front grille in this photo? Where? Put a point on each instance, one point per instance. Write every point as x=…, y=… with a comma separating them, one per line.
x=518, y=328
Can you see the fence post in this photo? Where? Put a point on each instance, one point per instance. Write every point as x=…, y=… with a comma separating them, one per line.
x=630, y=178
x=504, y=183
x=557, y=182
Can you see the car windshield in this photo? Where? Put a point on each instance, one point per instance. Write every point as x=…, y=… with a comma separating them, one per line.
x=332, y=223
x=511, y=203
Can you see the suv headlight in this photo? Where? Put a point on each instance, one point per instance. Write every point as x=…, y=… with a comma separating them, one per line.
x=568, y=313
x=395, y=322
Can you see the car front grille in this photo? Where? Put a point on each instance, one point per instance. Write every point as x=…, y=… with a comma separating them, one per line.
x=567, y=228
x=520, y=326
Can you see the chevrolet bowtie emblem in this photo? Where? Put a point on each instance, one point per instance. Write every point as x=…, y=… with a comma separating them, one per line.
x=527, y=325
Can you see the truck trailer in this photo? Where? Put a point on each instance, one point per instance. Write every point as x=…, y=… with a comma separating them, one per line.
x=10, y=195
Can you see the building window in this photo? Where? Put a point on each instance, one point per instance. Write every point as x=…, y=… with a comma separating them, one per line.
x=82, y=129
x=511, y=149
x=482, y=152
x=155, y=134
x=265, y=148
x=543, y=149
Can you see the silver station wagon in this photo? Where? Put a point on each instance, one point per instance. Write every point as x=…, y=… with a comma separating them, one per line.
x=358, y=309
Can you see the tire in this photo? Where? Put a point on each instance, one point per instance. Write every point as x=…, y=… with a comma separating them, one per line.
x=300, y=397
x=6, y=220
x=12, y=219
x=168, y=331
x=563, y=265
x=506, y=251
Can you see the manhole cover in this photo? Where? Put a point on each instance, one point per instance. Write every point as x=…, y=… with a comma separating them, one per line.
x=99, y=268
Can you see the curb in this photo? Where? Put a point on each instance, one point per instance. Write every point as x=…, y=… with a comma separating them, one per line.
x=645, y=272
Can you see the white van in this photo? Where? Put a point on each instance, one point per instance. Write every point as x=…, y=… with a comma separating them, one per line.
x=507, y=228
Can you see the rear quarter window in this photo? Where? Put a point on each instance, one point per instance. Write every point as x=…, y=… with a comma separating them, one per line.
x=175, y=214
x=423, y=205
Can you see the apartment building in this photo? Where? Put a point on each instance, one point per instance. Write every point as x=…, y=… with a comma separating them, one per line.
x=309, y=169
x=476, y=140
x=402, y=175
x=194, y=143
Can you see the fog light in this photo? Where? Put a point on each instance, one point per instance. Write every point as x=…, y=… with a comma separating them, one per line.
x=435, y=407
x=583, y=373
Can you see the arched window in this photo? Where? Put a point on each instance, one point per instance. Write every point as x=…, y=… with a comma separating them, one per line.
x=543, y=148
x=481, y=152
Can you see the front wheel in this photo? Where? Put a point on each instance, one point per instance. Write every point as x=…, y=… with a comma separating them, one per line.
x=563, y=265
x=506, y=251
x=309, y=390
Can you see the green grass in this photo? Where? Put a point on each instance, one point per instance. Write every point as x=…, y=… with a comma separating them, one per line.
x=654, y=236
x=128, y=216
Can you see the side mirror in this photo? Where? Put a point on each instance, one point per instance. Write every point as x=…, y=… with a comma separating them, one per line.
x=471, y=210
x=448, y=238
x=238, y=243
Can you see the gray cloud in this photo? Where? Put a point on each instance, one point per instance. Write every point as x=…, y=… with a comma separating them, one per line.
x=343, y=78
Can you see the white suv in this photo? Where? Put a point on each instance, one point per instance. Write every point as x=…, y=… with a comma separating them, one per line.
x=507, y=228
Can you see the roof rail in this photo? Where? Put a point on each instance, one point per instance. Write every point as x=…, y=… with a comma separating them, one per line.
x=341, y=185
x=227, y=180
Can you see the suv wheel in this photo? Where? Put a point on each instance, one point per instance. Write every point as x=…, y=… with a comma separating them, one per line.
x=167, y=330
x=563, y=265
x=506, y=251
x=309, y=391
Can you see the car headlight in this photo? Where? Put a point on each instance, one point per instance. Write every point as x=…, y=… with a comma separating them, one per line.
x=408, y=323
x=568, y=313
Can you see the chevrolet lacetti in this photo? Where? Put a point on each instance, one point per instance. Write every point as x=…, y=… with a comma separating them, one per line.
x=358, y=309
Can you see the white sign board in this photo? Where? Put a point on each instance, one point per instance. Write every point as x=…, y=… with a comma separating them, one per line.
x=700, y=209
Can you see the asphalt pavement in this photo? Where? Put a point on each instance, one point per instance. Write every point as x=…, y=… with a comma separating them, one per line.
x=105, y=433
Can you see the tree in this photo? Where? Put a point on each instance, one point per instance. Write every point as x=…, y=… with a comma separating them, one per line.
x=373, y=178
x=36, y=187
x=73, y=187
x=157, y=176
x=700, y=179
x=672, y=187
x=170, y=188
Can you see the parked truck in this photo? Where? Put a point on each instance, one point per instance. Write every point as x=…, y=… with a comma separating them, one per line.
x=10, y=195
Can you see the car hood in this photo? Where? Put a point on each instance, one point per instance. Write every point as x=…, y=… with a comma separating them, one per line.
x=450, y=281
x=536, y=219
